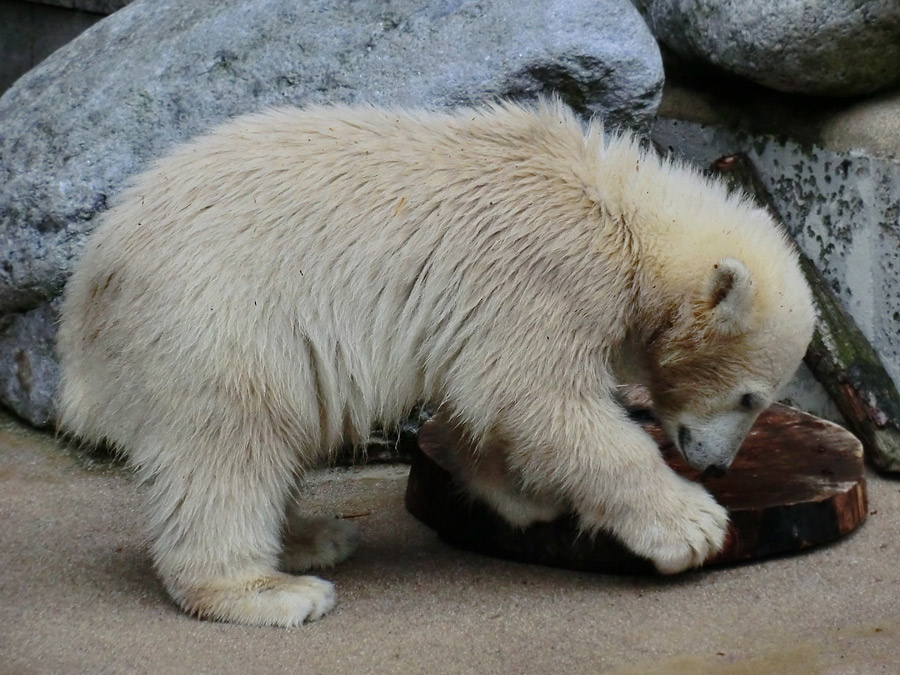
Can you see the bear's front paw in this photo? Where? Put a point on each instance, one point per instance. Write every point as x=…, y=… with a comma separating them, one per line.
x=691, y=533
x=682, y=529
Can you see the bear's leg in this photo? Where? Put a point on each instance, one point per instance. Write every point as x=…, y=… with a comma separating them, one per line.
x=516, y=508
x=612, y=473
x=218, y=510
x=487, y=476
x=484, y=471
x=316, y=542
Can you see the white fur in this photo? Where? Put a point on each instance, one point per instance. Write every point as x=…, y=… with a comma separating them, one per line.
x=267, y=292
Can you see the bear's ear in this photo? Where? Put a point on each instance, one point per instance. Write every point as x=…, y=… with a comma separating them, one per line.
x=728, y=295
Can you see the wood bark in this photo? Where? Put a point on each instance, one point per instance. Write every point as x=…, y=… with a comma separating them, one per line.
x=840, y=357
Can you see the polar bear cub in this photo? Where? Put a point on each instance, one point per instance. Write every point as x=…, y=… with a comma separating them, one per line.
x=267, y=292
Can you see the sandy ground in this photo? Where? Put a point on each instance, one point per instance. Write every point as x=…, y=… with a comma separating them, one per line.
x=77, y=594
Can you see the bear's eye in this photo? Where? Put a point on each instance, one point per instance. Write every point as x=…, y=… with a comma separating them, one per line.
x=750, y=402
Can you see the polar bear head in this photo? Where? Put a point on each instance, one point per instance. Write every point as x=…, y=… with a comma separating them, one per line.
x=722, y=355
x=722, y=313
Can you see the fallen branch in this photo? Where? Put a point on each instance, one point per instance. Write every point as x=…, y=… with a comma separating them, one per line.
x=840, y=357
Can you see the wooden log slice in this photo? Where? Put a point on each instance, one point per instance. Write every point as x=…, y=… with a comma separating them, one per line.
x=798, y=481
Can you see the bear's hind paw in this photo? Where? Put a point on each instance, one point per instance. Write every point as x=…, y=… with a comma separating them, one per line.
x=271, y=600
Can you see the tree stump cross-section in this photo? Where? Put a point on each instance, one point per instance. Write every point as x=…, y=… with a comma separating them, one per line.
x=798, y=481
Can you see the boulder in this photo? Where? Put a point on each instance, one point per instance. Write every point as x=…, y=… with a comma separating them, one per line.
x=839, y=48
x=160, y=71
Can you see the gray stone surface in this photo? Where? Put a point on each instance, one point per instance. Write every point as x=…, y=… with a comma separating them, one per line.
x=76, y=127
x=872, y=124
x=840, y=48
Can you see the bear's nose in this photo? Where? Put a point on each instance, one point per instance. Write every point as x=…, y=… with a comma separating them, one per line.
x=715, y=471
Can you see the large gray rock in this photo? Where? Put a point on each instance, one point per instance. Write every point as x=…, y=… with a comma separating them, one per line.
x=76, y=127
x=838, y=48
